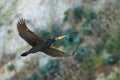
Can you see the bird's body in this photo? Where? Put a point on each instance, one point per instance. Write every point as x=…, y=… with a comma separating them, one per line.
x=37, y=43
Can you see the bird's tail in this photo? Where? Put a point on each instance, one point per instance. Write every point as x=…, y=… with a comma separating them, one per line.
x=25, y=54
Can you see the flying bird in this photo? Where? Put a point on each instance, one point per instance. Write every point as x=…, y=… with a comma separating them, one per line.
x=37, y=43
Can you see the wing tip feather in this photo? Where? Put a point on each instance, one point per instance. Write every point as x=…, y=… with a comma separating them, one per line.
x=21, y=22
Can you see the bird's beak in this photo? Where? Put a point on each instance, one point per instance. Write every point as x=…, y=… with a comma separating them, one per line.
x=60, y=37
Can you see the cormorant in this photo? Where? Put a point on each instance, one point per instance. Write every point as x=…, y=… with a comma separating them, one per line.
x=37, y=43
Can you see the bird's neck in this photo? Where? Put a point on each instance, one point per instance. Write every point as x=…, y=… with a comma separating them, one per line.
x=50, y=41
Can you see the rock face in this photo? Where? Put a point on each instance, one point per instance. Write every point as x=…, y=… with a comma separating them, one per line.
x=40, y=14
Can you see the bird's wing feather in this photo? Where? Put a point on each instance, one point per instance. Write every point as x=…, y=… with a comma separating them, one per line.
x=52, y=51
x=28, y=35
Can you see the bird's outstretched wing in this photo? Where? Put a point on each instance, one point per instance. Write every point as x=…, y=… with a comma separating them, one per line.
x=28, y=35
x=52, y=51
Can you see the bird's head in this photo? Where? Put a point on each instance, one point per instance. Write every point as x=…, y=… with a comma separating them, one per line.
x=51, y=41
x=60, y=37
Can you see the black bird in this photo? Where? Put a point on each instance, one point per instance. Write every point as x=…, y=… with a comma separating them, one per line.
x=37, y=43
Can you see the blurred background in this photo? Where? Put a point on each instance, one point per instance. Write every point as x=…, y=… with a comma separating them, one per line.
x=93, y=32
